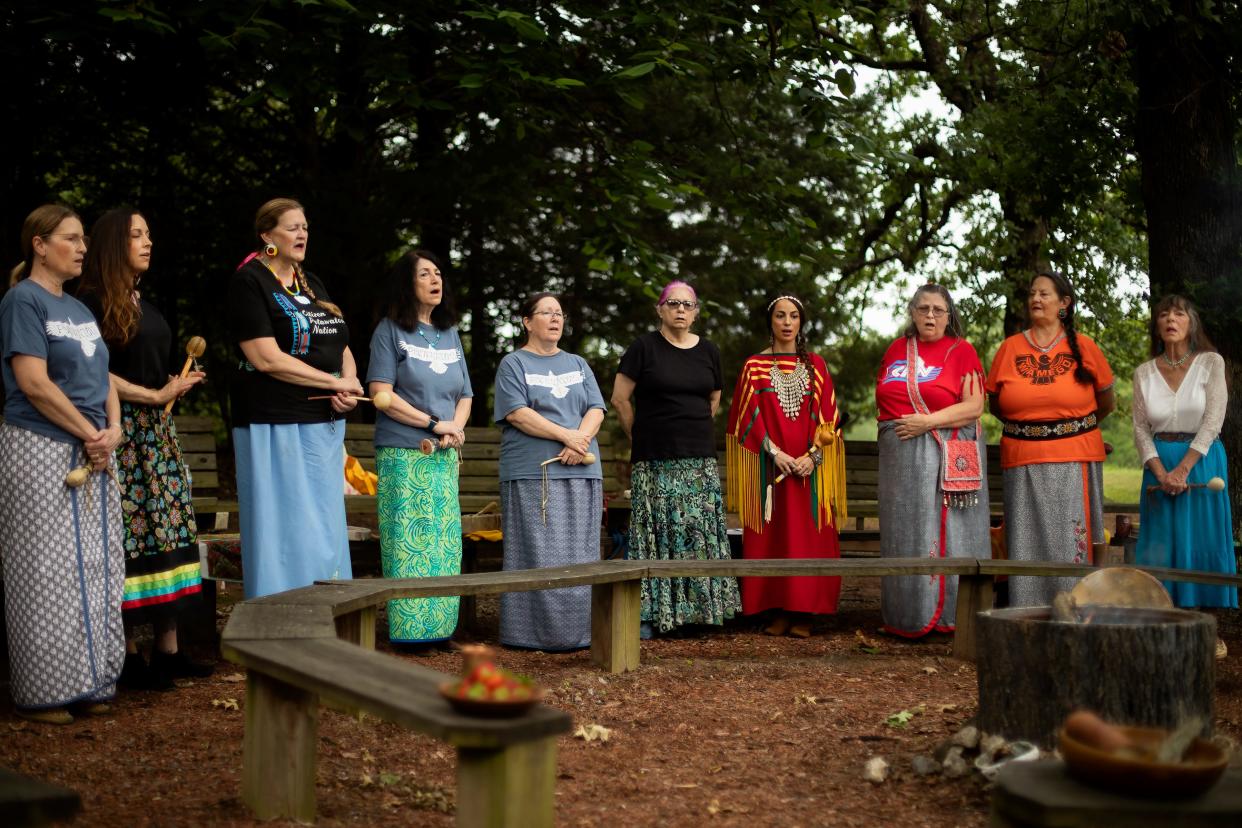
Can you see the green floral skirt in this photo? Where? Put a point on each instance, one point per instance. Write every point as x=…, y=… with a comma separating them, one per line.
x=420, y=536
x=678, y=514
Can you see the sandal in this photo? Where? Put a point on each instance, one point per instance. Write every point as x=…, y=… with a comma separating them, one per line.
x=779, y=626
x=50, y=715
x=801, y=630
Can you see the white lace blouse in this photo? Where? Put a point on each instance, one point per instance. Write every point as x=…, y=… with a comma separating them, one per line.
x=1198, y=406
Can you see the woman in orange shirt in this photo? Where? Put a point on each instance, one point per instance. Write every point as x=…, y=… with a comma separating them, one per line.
x=1051, y=386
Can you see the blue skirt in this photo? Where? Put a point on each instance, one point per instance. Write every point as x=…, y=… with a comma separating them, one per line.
x=1190, y=531
x=291, y=504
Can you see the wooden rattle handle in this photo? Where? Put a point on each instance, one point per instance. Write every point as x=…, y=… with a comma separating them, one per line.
x=185, y=372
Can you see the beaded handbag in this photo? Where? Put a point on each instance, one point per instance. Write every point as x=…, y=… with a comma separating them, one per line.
x=961, y=475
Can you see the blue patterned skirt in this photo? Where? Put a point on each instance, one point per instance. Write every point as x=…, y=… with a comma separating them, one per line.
x=678, y=514
x=549, y=619
x=420, y=537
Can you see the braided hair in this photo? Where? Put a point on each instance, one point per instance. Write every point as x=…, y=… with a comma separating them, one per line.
x=1065, y=290
x=804, y=356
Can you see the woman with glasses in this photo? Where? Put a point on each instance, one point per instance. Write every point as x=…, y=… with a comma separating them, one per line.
x=60, y=536
x=1050, y=386
x=416, y=355
x=162, y=573
x=293, y=349
x=551, y=494
x=933, y=493
x=787, y=485
x=666, y=394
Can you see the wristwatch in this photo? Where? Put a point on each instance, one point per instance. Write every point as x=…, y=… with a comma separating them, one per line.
x=432, y=422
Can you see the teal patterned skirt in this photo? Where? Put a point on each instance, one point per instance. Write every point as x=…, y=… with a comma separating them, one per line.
x=678, y=514
x=420, y=537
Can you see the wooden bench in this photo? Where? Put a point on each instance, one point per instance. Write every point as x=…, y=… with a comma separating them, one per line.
x=315, y=644
x=25, y=801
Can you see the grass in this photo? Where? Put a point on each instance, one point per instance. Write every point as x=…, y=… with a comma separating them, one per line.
x=1122, y=483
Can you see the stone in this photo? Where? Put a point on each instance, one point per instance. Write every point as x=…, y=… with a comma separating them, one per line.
x=876, y=770
x=991, y=744
x=924, y=765
x=955, y=766
x=967, y=737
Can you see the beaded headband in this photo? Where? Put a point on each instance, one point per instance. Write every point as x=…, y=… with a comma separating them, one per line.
x=793, y=299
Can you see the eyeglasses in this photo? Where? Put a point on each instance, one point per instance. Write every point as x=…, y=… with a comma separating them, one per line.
x=931, y=310
x=550, y=314
x=73, y=238
x=681, y=304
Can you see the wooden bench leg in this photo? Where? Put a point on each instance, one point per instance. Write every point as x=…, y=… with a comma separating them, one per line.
x=514, y=787
x=278, y=750
x=974, y=595
x=358, y=628
x=615, y=612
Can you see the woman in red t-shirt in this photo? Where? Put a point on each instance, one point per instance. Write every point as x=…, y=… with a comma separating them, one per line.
x=1051, y=386
x=932, y=490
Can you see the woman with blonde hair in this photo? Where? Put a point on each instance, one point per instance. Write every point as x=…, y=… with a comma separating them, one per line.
x=60, y=537
x=162, y=573
x=292, y=345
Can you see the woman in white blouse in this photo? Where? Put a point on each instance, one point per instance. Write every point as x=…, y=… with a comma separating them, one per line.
x=1179, y=406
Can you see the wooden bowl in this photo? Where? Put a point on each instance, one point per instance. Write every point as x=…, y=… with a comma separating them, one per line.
x=486, y=708
x=1198, y=771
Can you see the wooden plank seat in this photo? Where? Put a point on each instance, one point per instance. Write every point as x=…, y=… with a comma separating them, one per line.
x=314, y=644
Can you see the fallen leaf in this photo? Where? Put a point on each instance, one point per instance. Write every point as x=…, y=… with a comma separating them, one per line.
x=931, y=671
x=805, y=698
x=592, y=733
x=387, y=779
x=226, y=704
x=868, y=645
x=235, y=677
x=714, y=807
x=366, y=756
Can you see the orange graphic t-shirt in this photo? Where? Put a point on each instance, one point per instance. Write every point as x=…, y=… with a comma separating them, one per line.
x=1032, y=386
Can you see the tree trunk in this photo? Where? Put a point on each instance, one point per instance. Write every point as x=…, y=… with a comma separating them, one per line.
x=1146, y=667
x=1190, y=186
x=1026, y=235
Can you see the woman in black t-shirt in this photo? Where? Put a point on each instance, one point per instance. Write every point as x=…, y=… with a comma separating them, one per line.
x=666, y=393
x=162, y=573
x=292, y=342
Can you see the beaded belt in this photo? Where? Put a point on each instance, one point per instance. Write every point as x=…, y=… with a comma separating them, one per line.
x=1174, y=436
x=1051, y=429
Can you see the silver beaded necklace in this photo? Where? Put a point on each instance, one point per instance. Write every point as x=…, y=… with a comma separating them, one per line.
x=1173, y=363
x=791, y=387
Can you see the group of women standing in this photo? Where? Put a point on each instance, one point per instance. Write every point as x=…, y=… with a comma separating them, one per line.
x=88, y=384
x=96, y=528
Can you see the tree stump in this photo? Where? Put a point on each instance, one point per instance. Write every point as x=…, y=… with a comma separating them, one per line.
x=1148, y=667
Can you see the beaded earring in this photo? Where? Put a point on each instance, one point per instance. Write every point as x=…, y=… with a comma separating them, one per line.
x=1061, y=314
x=271, y=250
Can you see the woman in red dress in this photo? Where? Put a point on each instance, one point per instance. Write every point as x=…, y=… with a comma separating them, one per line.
x=786, y=470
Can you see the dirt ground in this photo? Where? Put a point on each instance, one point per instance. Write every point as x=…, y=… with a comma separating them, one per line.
x=728, y=728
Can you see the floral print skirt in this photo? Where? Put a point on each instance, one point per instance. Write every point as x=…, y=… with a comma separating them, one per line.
x=162, y=571
x=678, y=514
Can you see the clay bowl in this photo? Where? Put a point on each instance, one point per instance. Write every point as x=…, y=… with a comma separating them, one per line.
x=488, y=709
x=1198, y=771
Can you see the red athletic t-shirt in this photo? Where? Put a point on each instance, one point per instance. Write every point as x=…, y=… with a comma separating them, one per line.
x=943, y=365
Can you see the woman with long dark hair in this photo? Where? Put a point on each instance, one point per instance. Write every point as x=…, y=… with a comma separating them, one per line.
x=417, y=357
x=162, y=573
x=549, y=407
x=292, y=345
x=786, y=472
x=1180, y=397
x=1051, y=385
x=60, y=537
x=933, y=493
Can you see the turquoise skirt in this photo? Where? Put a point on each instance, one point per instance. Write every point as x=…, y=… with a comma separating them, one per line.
x=1193, y=530
x=420, y=537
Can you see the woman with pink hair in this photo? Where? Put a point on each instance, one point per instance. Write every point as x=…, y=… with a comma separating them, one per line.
x=666, y=393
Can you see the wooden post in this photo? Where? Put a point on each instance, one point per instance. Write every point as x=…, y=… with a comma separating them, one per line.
x=278, y=750
x=974, y=595
x=358, y=628
x=615, y=610
x=514, y=787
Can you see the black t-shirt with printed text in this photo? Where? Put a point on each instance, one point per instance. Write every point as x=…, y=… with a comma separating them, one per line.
x=259, y=306
x=672, y=397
